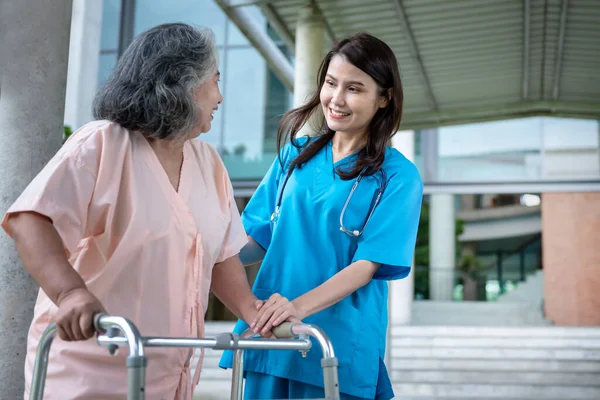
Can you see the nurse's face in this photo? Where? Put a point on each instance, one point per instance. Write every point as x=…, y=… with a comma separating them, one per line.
x=349, y=97
x=207, y=97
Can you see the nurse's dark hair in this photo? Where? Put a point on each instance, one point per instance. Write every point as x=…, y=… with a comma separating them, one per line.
x=151, y=88
x=375, y=58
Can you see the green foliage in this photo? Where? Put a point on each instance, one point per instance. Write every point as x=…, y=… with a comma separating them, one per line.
x=471, y=266
x=239, y=150
x=67, y=132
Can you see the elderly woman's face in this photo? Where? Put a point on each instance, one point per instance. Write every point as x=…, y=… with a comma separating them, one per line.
x=207, y=97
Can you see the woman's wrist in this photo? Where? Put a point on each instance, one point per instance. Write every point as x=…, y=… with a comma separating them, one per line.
x=300, y=308
x=249, y=310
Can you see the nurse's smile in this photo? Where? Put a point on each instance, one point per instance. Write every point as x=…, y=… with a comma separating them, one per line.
x=337, y=114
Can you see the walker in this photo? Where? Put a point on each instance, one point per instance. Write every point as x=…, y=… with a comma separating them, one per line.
x=114, y=331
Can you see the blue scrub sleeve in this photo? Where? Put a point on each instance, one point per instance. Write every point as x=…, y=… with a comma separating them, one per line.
x=256, y=217
x=389, y=238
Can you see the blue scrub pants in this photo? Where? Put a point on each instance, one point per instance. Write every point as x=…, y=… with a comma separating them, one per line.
x=261, y=386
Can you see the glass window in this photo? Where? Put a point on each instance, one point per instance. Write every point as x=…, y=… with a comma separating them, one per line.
x=279, y=100
x=111, y=17
x=244, y=101
x=106, y=64
x=497, y=151
x=244, y=85
x=149, y=13
x=523, y=150
x=571, y=149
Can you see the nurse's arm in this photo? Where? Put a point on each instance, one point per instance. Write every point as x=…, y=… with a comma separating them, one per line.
x=230, y=285
x=278, y=309
x=336, y=288
x=252, y=252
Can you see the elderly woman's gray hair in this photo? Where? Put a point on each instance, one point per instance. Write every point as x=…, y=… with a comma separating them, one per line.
x=151, y=88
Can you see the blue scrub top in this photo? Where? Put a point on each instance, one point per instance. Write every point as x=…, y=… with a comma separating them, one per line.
x=305, y=247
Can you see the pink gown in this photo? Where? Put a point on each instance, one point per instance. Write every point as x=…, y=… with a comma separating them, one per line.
x=144, y=249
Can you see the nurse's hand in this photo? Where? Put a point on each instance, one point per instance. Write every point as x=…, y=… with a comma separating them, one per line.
x=75, y=316
x=273, y=312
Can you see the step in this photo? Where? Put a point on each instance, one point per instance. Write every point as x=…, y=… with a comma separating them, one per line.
x=497, y=353
x=563, y=378
x=470, y=306
x=414, y=364
x=433, y=313
x=496, y=331
x=488, y=391
x=494, y=342
x=212, y=390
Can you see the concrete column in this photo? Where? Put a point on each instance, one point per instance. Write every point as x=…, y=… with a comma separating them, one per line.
x=34, y=74
x=442, y=253
x=310, y=48
x=401, y=292
x=84, y=58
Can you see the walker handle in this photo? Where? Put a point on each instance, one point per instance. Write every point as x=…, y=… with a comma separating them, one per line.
x=97, y=327
x=284, y=330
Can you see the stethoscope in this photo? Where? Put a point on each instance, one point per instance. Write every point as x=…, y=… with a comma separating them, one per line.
x=355, y=233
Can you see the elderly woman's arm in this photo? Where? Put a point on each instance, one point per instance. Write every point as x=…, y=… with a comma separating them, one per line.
x=43, y=255
x=230, y=285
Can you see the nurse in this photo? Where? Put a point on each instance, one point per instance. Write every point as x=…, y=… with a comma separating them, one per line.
x=333, y=219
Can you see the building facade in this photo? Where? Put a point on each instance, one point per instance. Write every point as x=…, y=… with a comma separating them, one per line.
x=467, y=169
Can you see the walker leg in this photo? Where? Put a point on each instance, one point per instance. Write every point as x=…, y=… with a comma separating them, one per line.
x=40, y=368
x=330, y=375
x=136, y=366
x=237, y=382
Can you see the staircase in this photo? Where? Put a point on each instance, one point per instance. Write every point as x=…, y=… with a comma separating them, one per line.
x=476, y=313
x=476, y=362
x=452, y=362
x=529, y=292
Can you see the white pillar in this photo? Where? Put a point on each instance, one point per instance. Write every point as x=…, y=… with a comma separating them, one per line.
x=401, y=292
x=310, y=48
x=442, y=248
x=34, y=58
x=84, y=58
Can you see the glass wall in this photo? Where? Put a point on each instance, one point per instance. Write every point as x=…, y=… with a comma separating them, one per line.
x=245, y=126
x=522, y=150
x=109, y=39
x=244, y=130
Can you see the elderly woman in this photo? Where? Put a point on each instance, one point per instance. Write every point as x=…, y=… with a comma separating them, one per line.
x=134, y=218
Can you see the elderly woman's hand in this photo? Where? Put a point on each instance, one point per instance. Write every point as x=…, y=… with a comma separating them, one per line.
x=273, y=312
x=75, y=317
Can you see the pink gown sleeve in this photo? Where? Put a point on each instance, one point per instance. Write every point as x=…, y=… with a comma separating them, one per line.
x=63, y=189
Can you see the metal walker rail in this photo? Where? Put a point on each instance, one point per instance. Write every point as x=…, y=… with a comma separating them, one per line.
x=115, y=332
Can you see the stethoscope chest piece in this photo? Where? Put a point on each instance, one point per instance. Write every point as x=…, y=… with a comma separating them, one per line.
x=275, y=215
